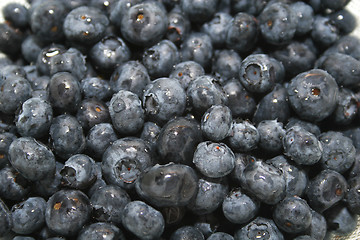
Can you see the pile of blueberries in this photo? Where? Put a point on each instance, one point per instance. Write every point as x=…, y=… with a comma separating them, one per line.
x=179, y=119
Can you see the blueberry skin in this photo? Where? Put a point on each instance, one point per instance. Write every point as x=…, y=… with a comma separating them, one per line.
x=91, y=112
x=163, y=99
x=214, y=160
x=318, y=226
x=34, y=118
x=340, y=220
x=313, y=95
x=72, y=61
x=144, y=24
x=29, y=215
x=150, y=133
x=199, y=11
x=220, y=236
x=346, y=109
x=296, y=178
x=104, y=5
x=67, y=211
x=243, y=136
x=126, y=113
x=241, y=102
x=64, y=92
x=211, y=193
x=207, y=224
x=119, y=9
x=46, y=21
x=6, y=138
x=10, y=40
x=99, y=138
x=108, y=53
x=260, y=228
x=355, y=169
x=326, y=189
x=108, y=203
x=292, y=215
x=344, y=20
x=95, y=87
x=66, y=136
x=197, y=47
x=204, y=92
x=131, y=76
x=13, y=185
x=302, y=146
x=308, y=126
x=122, y=167
x=187, y=232
x=253, y=7
x=5, y=220
x=85, y=25
x=143, y=220
x=101, y=231
x=264, y=181
x=12, y=70
x=169, y=185
x=17, y=14
x=186, y=72
x=242, y=32
x=338, y=151
x=346, y=44
x=278, y=22
x=324, y=32
x=216, y=122
x=241, y=161
x=178, y=139
x=305, y=15
x=178, y=26
x=217, y=28
x=346, y=75
x=274, y=105
x=226, y=64
x=352, y=196
x=13, y=92
x=31, y=158
x=49, y=185
x=160, y=58
x=239, y=207
x=271, y=135
x=44, y=57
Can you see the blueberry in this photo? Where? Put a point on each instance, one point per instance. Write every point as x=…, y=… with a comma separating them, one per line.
x=207, y=224
x=334, y=5
x=346, y=109
x=29, y=215
x=178, y=26
x=241, y=102
x=226, y=64
x=313, y=95
x=6, y=138
x=260, y=228
x=348, y=45
x=13, y=185
x=324, y=32
x=49, y=185
x=108, y=203
x=163, y=99
x=197, y=47
x=168, y=185
x=85, y=25
x=344, y=20
x=326, y=189
x=13, y=92
x=216, y=122
x=296, y=178
x=308, y=126
x=253, y=7
x=187, y=232
x=214, y=160
x=118, y=10
x=150, y=133
x=99, y=138
x=355, y=169
x=64, y=92
x=95, y=87
x=265, y=181
x=318, y=226
x=220, y=236
x=292, y=215
x=46, y=21
x=101, y=231
x=278, y=23
x=126, y=112
x=91, y=112
x=338, y=151
x=243, y=136
x=340, y=220
x=186, y=72
x=104, y=5
x=17, y=14
x=271, y=135
x=217, y=28
x=10, y=40
x=199, y=11
x=211, y=193
x=34, y=118
x=178, y=139
x=305, y=15
x=242, y=32
x=108, y=53
x=44, y=57
x=204, y=92
x=160, y=58
x=239, y=208
x=5, y=220
x=143, y=220
x=66, y=136
x=67, y=211
x=144, y=23
x=122, y=167
x=352, y=196
x=241, y=161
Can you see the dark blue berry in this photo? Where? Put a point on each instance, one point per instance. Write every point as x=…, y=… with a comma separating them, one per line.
x=13, y=185
x=99, y=138
x=10, y=40
x=305, y=15
x=17, y=14
x=187, y=232
x=226, y=64
x=352, y=196
x=216, y=122
x=91, y=112
x=44, y=57
x=217, y=28
x=324, y=32
x=318, y=226
x=6, y=138
x=260, y=228
x=5, y=220
x=340, y=220
x=199, y=11
x=186, y=72
x=220, y=236
x=178, y=26
x=271, y=135
x=101, y=231
x=243, y=136
x=95, y=87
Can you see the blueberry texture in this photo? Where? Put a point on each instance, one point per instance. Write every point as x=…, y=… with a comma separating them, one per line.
x=91, y=112
x=216, y=122
x=95, y=87
x=217, y=28
x=324, y=32
x=259, y=228
x=99, y=138
x=271, y=135
x=186, y=72
x=101, y=231
x=43, y=59
x=10, y=40
x=243, y=136
x=13, y=185
x=187, y=232
x=305, y=14
x=178, y=26
x=226, y=64
x=5, y=220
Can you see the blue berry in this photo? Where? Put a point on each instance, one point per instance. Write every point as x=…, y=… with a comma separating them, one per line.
x=271, y=135
x=5, y=220
x=340, y=220
x=243, y=136
x=99, y=138
x=187, y=232
x=6, y=138
x=118, y=10
x=101, y=231
x=308, y=126
x=10, y=40
x=95, y=87
x=45, y=55
x=178, y=26
x=241, y=161
x=186, y=72
x=324, y=31
x=199, y=11
x=253, y=7
x=344, y=20
x=226, y=64
x=217, y=28
x=260, y=228
x=220, y=236
x=346, y=109
x=17, y=14
x=91, y=112
x=305, y=15
x=49, y=185
x=142, y=220
x=216, y=122
x=318, y=226
x=335, y=4
x=150, y=133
